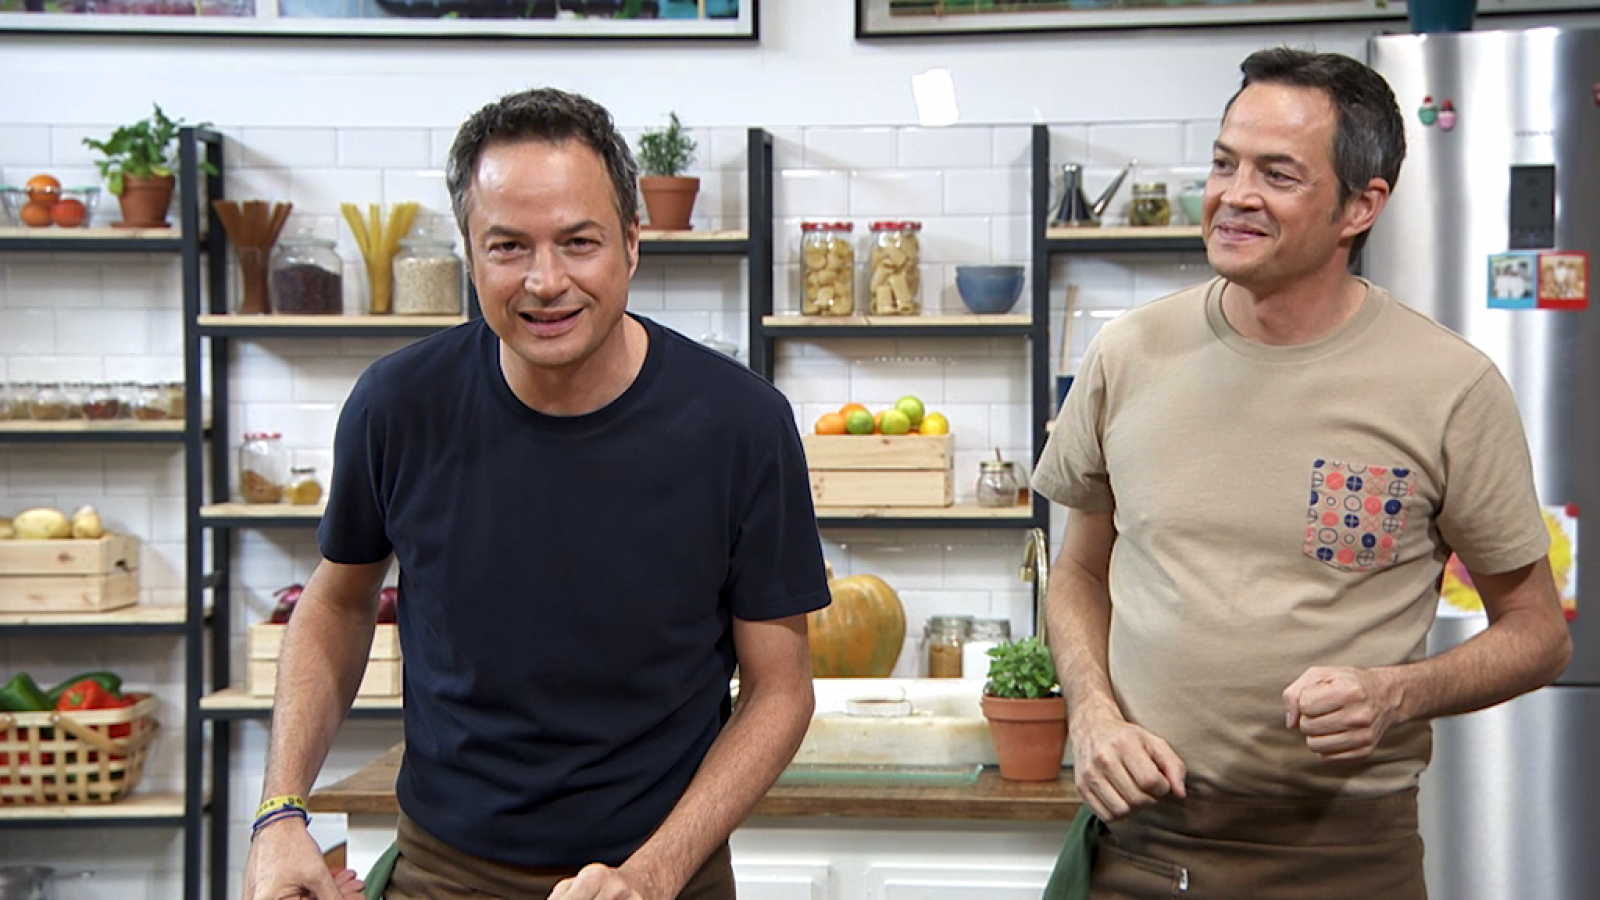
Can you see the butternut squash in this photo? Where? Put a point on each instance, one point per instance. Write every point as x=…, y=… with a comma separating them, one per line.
x=860, y=634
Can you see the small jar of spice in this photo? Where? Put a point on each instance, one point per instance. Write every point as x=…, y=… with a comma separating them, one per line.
x=997, y=484
x=943, y=638
x=263, y=468
x=304, y=489
x=307, y=276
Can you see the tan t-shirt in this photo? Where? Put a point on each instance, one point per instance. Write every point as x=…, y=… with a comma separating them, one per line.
x=1283, y=507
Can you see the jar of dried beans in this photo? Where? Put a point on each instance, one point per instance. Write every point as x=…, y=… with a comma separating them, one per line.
x=307, y=276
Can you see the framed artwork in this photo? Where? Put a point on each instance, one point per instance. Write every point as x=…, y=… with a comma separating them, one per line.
x=572, y=19
x=923, y=18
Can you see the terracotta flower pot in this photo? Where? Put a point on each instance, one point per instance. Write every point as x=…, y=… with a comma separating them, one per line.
x=668, y=202
x=1030, y=736
x=144, y=201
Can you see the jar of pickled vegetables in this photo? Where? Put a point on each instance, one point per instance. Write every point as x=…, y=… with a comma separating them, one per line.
x=1151, y=208
x=894, y=267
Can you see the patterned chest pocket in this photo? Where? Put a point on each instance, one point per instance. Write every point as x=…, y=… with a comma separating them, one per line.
x=1357, y=514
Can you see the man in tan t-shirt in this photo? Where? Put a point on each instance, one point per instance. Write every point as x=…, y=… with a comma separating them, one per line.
x=1265, y=475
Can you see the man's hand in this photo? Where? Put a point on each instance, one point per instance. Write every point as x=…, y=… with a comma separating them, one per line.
x=1342, y=711
x=598, y=882
x=1120, y=767
x=286, y=863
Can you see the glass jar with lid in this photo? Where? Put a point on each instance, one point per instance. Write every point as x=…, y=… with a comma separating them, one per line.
x=894, y=267
x=101, y=403
x=263, y=467
x=76, y=393
x=827, y=269
x=304, y=488
x=985, y=634
x=427, y=277
x=307, y=276
x=997, y=483
x=48, y=402
x=9, y=402
x=150, y=403
x=175, y=394
x=942, y=639
x=1151, y=208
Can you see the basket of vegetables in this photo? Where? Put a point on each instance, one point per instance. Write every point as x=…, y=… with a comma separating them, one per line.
x=82, y=741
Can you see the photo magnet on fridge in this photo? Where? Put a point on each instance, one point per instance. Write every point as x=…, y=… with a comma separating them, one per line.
x=1513, y=280
x=1563, y=281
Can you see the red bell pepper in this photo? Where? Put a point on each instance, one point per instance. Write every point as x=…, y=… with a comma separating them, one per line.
x=86, y=694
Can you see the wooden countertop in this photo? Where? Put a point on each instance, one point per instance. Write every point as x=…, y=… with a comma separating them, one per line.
x=371, y=791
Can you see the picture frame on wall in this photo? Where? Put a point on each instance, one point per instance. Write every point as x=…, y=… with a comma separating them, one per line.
x=936, y=18
x=558, y=19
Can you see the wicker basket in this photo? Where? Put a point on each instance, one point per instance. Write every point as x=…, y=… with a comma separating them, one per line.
x=74, y=757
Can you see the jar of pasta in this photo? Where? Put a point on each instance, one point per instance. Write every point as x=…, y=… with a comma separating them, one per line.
x=894, y=267
x=827, y=269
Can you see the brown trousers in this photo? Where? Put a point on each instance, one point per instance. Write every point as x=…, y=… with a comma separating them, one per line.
x=1211, y=848
x=429, y=869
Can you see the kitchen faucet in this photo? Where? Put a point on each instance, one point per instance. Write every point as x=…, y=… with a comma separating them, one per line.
x=1036, y=568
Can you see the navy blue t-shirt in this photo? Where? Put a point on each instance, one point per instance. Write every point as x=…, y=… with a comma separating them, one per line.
x=567, y=584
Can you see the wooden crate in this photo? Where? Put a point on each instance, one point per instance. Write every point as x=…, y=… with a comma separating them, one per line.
x=381, y=679
x=880, y=469
x=69, y=575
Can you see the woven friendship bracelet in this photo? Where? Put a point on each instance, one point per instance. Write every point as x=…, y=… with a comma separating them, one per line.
x=288, y=812
x=284, y=801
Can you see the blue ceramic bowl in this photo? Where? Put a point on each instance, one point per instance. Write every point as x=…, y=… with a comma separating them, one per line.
x=989, y=289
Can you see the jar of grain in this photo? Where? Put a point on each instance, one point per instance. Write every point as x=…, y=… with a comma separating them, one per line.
x=942, y=640
x=827, y=269
x=307, y=276
x=894, y=267
x=48, y=403
x=263, y=468
x=427, y=278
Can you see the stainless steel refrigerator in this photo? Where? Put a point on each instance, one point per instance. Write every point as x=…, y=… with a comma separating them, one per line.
x=1498, y=198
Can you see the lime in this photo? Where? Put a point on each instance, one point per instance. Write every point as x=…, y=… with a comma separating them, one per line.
x=896, y=422
x=912, y=407
x=859, y=421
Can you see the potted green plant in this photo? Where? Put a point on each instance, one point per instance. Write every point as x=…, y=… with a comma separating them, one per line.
x=664, y=155
x=137, y=163
x=1027, y=717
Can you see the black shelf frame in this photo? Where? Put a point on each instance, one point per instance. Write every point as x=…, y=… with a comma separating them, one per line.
x=249, y=715
x=975, y=329
x=921, y=523
x=398, y=328
x=133, y=821
x=108, y=436
x=48, y=243
x=671, y=247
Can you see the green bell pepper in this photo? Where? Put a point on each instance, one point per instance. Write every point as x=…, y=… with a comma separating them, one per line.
x=110, y=681
x=22, y=694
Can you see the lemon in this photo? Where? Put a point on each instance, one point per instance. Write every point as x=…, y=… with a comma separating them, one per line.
x=895, y=422
x=859, y=421
x=935, y=423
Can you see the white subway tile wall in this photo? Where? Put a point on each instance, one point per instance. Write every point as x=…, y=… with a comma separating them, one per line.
x=90, y=318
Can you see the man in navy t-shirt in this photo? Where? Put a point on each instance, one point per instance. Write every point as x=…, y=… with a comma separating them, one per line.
x=595, y=520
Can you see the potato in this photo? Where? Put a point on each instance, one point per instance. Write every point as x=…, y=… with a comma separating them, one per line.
x=41, y=524
x=86, y=523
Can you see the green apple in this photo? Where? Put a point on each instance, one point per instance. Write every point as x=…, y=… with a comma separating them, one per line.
x=912, y=407
x=895, y=421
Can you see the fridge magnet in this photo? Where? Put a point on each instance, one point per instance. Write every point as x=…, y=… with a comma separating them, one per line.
x=1447, y=116
x=1512, y=281
x=1427, y=112
x=1563, y=281
x=1458, y=597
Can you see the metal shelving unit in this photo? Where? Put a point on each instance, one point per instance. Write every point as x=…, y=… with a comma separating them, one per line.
x=198, y=238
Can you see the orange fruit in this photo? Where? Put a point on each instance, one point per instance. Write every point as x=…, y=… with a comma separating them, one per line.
x=44, y=190
x=831, y=423
x=35, y=215
x=849, y=408
x=69, y=212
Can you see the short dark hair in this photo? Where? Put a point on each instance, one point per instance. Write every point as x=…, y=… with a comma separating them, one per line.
x=542, y=114
x=1369, y=138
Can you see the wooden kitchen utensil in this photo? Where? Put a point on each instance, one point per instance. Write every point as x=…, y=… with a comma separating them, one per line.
x=253, y=228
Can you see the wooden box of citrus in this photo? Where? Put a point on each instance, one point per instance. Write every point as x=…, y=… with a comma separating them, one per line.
x=880, y=470
x=381, y=679
x=69, y=574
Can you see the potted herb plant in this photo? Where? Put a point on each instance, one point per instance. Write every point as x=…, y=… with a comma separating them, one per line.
x=1027, y=717
x=664, y=155
x=137, y=163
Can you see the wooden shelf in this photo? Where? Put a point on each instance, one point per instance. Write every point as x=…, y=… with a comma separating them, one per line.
x=958, y=511
x=91, y=240
x=111, y=431
x=1132, y=240
x=138, y=614
x=91, y=234
x=650, y=236
x=236, y=703
x=136, y=806
x=325, y=326
x=930, y=322
x=261, y=515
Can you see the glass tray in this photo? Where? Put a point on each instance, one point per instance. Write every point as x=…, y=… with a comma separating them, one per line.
x=886, y=773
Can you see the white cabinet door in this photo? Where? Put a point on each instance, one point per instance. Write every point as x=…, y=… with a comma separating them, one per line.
x=956, y=882
x=758, y=880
